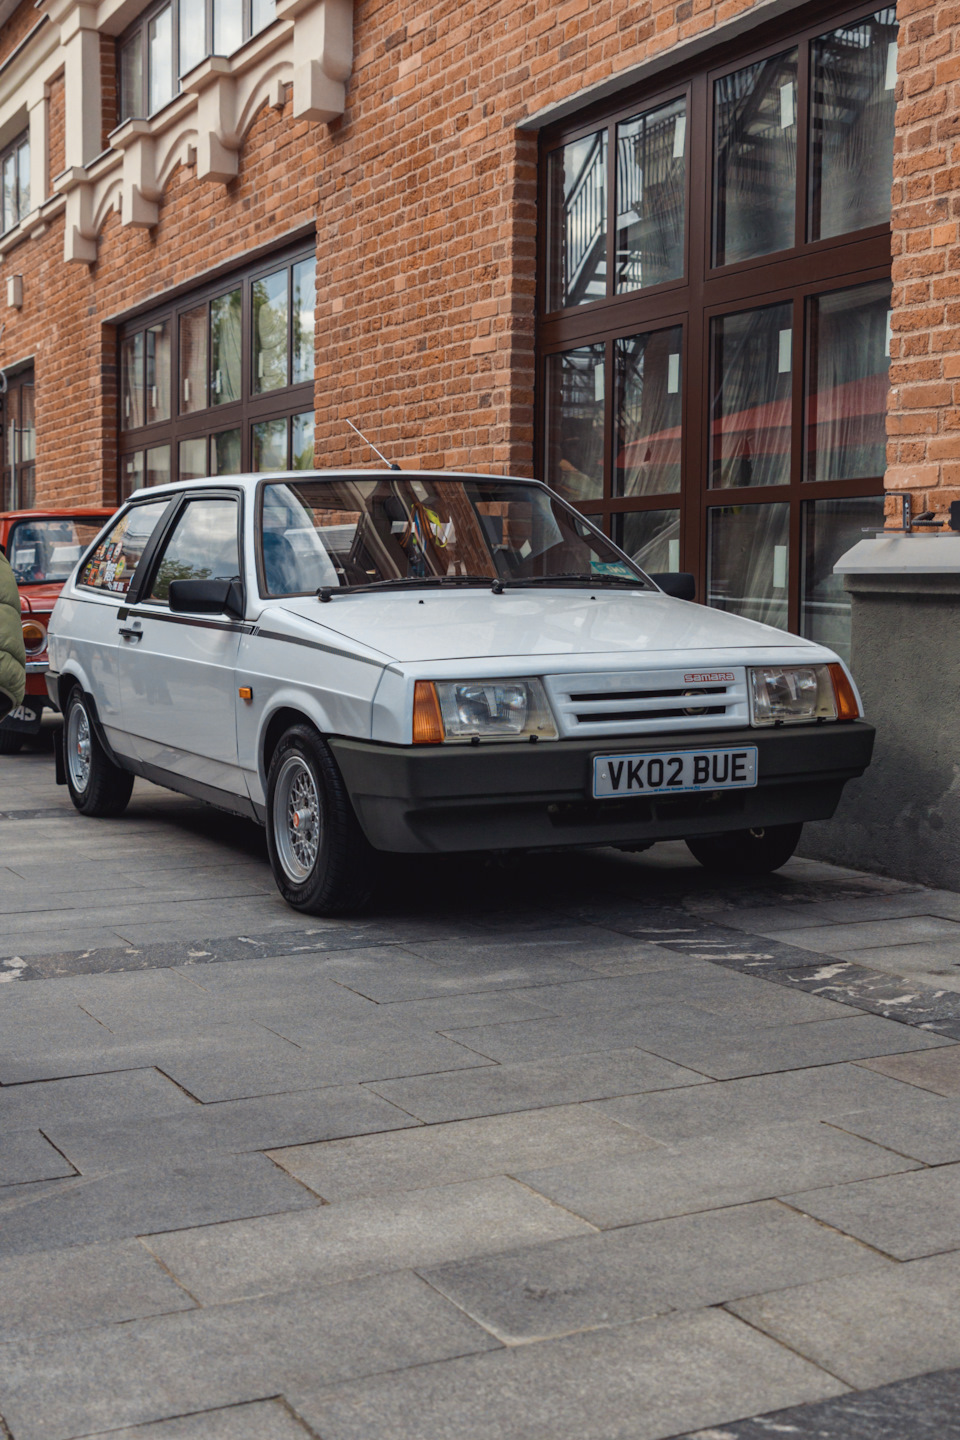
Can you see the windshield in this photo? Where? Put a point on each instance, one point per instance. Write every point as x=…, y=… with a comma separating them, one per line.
x=344, y=533
x=45, y=550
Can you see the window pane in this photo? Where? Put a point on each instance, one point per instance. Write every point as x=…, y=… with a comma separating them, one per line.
x=263, y=12
x=203, y=546
x=131, y=474
x=304, y=303
x=225, y=452
x=131, y=383
x=747, y=561
x=755, y=168
x=577, y=222
x=574, y=423
x=851, y=125
x=193, y=459
x=131, y=77
x=158, y=372
x=9, y=193
x=849, y=364
x=23, y=179
x=651, y=190
x=227, y=26
x=648, y=413
x=114, y=563
x=651, y=538
x=270, y=332
x=302, y=441
x=193, y=34
x=270, y=445
x=160, y=57
x=193, y=360
x=750, y=386
x=158, y=465
x=225, y=343
x=830, y=529
x=28, y=424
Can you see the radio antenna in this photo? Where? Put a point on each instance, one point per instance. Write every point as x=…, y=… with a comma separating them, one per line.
x=389, y=464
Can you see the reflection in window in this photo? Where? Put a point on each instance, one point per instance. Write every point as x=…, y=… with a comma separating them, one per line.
x=852, y=105
x=830, y=529
x=651, y=189
x=131, y=77
x=648, y=413
x=160, y=59
x=226, y=330
x=301, y=441
x=747, y=561
x=131, y=474
x=15, y=169
x=225, y=453
x=193, y=34
x=158, y=372
x=755, y=164
x=131, y=383
x=849, y=345
x=227, y=26
x=651, y=538
x=193, y=360
x=270, y=332
x=158, y=465
x=304, y=305
x=203, y=546
x=577, y=222
x=193, y=459
x=751, y=397
x=270, y=445
x=574, y=428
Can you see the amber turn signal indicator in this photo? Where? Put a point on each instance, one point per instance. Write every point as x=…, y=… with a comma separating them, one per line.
x=245, y=692
x=427, y=720
x=847, y=707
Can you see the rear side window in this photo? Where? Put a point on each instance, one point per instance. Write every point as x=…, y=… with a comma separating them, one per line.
x=114, y=562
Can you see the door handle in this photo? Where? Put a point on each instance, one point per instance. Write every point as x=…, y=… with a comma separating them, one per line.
x=129, y=633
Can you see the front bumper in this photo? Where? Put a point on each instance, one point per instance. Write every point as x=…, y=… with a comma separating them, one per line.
x=420, y=798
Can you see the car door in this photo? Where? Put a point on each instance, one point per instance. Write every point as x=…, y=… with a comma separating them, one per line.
x=178, y=671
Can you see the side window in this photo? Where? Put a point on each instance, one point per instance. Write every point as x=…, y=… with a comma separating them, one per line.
x=114, y=562
x=203, y=545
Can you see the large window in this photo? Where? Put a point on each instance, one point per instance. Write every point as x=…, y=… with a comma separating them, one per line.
x=15, y=172
x=170, y=39
x=17, y=491
x=714, y=326
x=222, y=381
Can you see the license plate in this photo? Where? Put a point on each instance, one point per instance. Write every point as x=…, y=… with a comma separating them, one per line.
x=675, y=772
x=24, y=716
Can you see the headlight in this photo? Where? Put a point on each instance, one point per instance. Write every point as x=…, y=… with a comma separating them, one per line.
x=481, y=709
x=34, y=636
x=798, y=694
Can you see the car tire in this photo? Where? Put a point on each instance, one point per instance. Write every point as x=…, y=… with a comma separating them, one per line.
x=97, y=787
x=321, y=860
x=747, y=852
x=10, y=741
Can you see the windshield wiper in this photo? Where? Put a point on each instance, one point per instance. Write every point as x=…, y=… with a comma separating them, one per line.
x=575, y=577
x=409, y=582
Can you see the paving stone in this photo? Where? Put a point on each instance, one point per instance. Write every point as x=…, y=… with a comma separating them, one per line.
x=359, y=1237
x=84, y=1286
x=459, y=1150
x=549, y=1290
x=713, y=1171
x=924, y=1126
x=937, y=1070
x=634, y=1382
x=933, y=959
x=459, y=1011
x=105, y=1099
x=869, y=1328
x=386, y=974
x=27, y=1155
x=498, y=1089
x=816, y=1094
x=259, y=1420
x=147, y=1198
x=61, y=1386
x=841, y=938
x=904, y=1215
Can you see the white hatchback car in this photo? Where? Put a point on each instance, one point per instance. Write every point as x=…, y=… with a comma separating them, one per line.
x=383, y=661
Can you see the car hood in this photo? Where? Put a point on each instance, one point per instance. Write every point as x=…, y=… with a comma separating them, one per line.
x=476, y=623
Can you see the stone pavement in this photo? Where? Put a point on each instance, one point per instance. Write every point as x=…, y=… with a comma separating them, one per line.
x=583, y=1147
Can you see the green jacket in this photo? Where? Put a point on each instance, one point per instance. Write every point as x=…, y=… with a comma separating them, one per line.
x=13, y=660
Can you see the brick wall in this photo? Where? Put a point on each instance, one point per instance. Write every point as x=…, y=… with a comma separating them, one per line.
x=56, y=122
x=108, y=86
x=19, y=25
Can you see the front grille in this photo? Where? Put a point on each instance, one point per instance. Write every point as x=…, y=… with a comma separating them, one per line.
x=648, y=702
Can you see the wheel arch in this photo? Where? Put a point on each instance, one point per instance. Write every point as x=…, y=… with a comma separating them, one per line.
x=275, y=726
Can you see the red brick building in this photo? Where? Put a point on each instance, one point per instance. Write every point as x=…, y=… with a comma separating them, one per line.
x=647, y=251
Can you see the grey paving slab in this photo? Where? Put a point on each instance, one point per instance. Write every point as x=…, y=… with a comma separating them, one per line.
x=937, y=1070
x=104, y=1099
x=937, y=960
x=258, y=1420
x=498, y=1089
x=545, y=1291
x=816, y=1094
x=382, y=973
x=924, y=1126
x=62, y=1386
x=634, y=1382
x=842, y=937
x=27, y=1155
x=871, y=1328
x=459, y=1011
x=147, y=1198
x=708, y=1172
x=460, y=1150
x=906, y=1216
x=299, y=1118
x=217, y=1263
x=87, y=1285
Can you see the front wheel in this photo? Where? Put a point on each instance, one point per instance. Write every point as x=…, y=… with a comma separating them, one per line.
x=747, y=852
x=97, y=786
x=320, y=858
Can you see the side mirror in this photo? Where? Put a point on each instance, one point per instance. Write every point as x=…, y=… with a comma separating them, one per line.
x=678, y=583
x=207, y=597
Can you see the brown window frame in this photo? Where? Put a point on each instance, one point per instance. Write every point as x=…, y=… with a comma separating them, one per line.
x=706, y=290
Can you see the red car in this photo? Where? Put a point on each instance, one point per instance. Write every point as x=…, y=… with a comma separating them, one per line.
x=42, y=546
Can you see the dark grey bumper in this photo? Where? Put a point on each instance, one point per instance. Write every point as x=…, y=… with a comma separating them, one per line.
x=518, y=796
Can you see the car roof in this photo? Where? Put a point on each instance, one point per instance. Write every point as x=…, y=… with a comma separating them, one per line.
x=343, y=472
